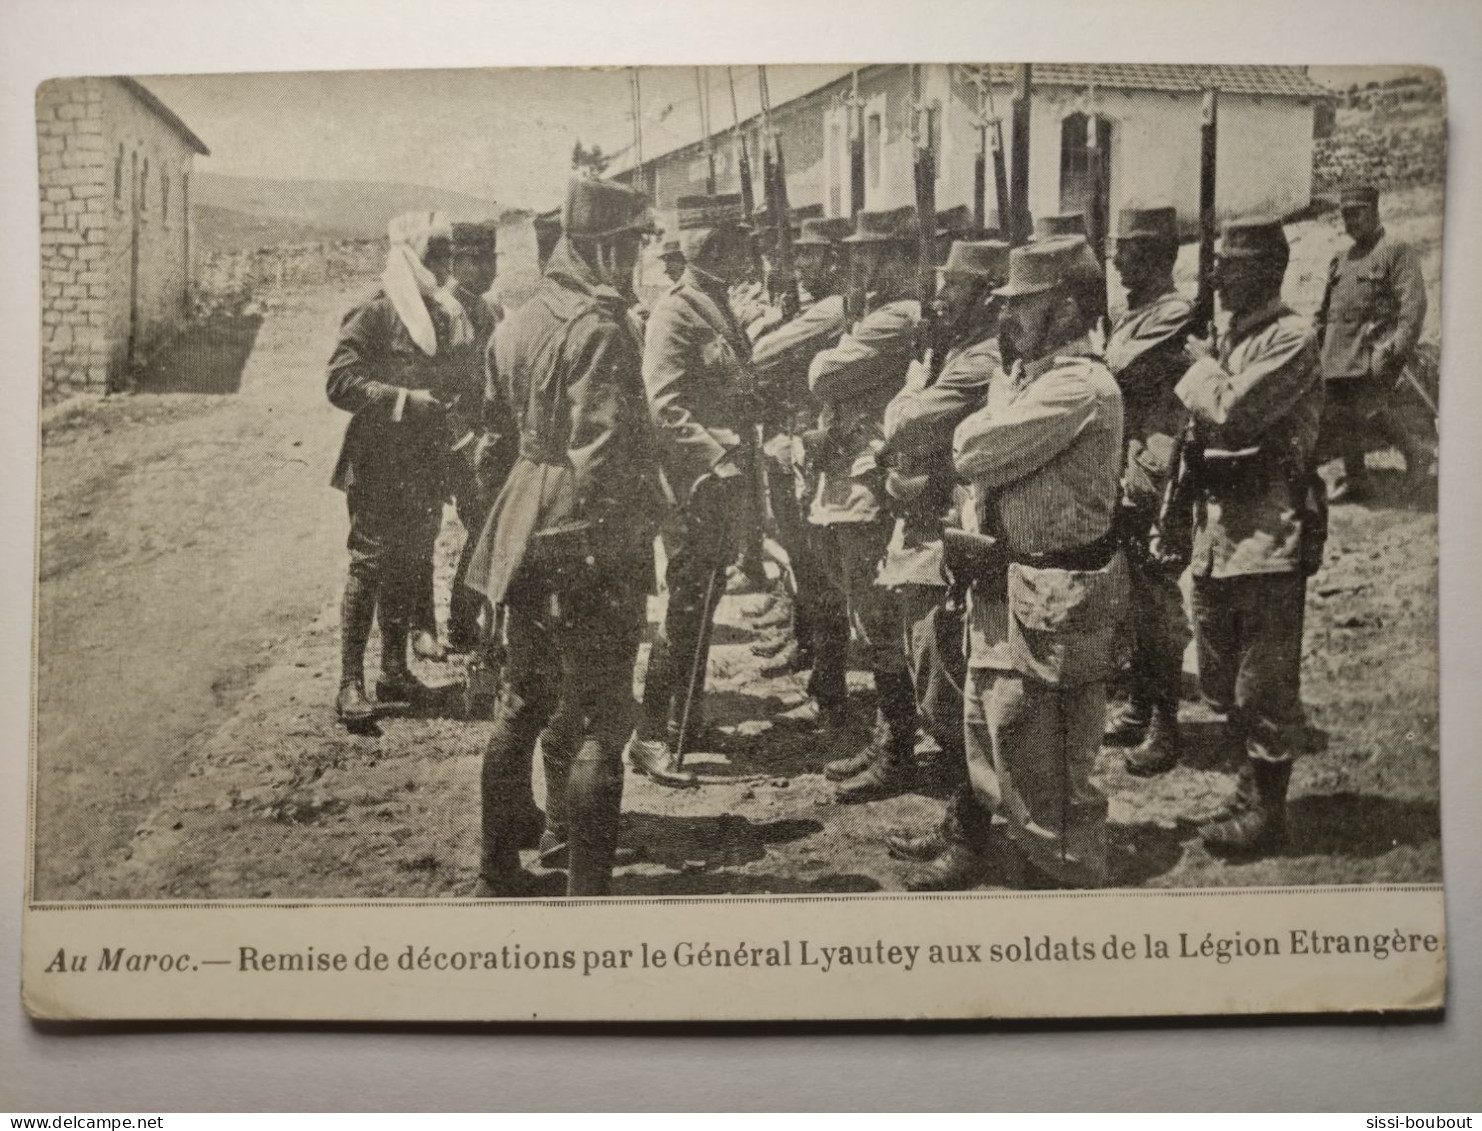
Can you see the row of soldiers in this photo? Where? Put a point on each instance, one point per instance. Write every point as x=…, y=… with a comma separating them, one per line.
x=973, y=491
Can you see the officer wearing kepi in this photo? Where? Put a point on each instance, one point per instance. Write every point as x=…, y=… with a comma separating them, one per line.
x=1368, y=326
x=1044, y=457
x=695, y=371
x=567, y=549
x=1259, y=524
x=1145, y=352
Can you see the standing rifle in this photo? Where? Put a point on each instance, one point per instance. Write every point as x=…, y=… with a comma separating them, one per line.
x=1021, y=224
x=925, y=172
x=702, y=93
x=1000, y=166
x=775, y=169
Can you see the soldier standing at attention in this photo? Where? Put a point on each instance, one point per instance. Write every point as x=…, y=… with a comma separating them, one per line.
x=919, y=424
x=1044, y=458
x=1368, y=326
x=400, y=358
x=780, y=358
x=1145, y=352
x=694, y=368
x=854, y=382
x=567, y=548
x=1259, y=524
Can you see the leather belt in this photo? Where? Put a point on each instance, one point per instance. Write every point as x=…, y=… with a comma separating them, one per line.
x=1087, y=558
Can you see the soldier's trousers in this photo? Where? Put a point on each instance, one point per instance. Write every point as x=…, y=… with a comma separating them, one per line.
x=1160, y=634
x=571, y=649
x=465, y=604
x=850, y=553
x=1031, y=747
x=1355, y=411
x=387, y=543
x=797, y=538
x=1248, y=635
x=933, y=636
x=699, y=542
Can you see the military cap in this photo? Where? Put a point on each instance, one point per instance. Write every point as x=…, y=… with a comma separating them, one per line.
x=596, y=209
x=1258, y=237
x=1061, y=224
x=1043, y=265
x=718, y=211
x=956, y=221
x=670, y=249
x=1148, y=224
x=987, y=259
x=477, y=236
x=892, y=226
x=1358, y=195
x=823, y=231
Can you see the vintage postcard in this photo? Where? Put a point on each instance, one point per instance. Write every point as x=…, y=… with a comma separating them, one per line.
x=738, y=543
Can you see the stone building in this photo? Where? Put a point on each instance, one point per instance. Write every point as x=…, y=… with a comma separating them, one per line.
x=1147, y=119
x=115, y=167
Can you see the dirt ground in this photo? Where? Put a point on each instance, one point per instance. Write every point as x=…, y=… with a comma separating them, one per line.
x=190, y=565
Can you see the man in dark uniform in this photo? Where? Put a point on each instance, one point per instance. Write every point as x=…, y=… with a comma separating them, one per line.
x=1259, y=524
x=400, y=358
x=941, y=391
x=475, y=264
x=1368, y=326
x=854, y=382
x=1145, y=352
x=695, y=370
x=780, y=359
x=567, y=548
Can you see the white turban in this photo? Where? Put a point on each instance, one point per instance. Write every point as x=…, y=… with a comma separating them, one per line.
x=408, y=282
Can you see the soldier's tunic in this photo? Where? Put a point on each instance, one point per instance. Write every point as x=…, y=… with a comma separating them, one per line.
x=1144, y=351
x=392, y=463
x=780, y=359
x=1043, y=456
x=854, y=382
x=694, y=362
x=919, y=423
x=1256, y=522
x=567, y=546
x=1372, y=312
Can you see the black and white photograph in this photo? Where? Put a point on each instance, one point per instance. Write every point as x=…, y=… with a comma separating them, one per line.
x=907, y=485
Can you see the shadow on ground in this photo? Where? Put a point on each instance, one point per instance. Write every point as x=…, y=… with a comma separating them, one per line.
x=206, y=357
x=1359, y=824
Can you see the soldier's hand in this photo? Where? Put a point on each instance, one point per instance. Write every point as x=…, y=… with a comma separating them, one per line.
x=1197, y=348
x=420, y=402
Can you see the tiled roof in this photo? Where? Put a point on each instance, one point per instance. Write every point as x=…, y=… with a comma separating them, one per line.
x=1231, y=78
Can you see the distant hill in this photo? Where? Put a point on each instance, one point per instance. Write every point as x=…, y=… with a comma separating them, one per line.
x=242, y=213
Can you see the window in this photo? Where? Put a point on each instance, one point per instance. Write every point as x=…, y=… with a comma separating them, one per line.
x=144, y=187
x=165, y=196
x=118, y=175
x=1079, y=182
x=833, y=179
x=934, y=136
x=872, y=150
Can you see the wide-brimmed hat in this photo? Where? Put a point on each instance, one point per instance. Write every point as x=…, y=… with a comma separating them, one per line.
x=896, y=225
x=596, y=209
x=988, y=259
x=718, y=211
x=1043, y=265
x=1255, y=237
x=1159, y=223
x=957, y=221
x=823, y=231
x=1060, y=224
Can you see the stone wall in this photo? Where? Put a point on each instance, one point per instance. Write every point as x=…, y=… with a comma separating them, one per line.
x=74, y=231
x=226, y=277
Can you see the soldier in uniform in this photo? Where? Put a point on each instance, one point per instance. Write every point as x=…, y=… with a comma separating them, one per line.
x=1145, y=352
x=854, y=382
x=671, y=255
x=780, y=359
x=694, y=368
x=1043, y=457
x=1259, y=524
x=1368, y=326
x=567, y=548
x=475, y=264
x=919, y=422
x=401, y=358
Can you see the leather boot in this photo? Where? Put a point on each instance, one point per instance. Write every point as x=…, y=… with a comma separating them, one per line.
x=1160, y=751
x=842, y=769
x=351, y=705
x=1260, y=830
x=426, y=646
x=396, y=683
x=357, y=613
x=594, y=799
x=654, y=758
x=931, y=844
x=892, y=771
x=1130, y=725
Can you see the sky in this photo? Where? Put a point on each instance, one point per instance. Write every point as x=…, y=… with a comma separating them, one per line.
x=503, y=135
